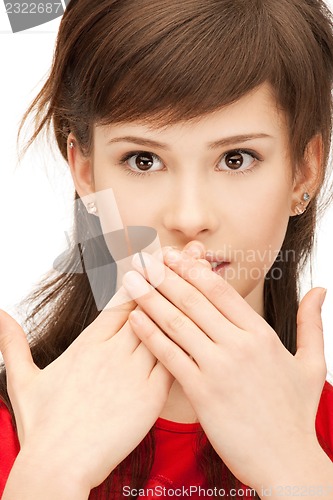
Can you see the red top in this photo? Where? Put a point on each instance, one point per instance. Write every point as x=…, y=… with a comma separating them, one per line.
x=176, y=463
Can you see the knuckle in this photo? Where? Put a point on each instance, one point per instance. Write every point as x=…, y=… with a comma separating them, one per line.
x=169, y=354
x=190, y=300
x=5, y=341
x=175, y=323
x=318, y=325
x=220, y=288
x=150, y=330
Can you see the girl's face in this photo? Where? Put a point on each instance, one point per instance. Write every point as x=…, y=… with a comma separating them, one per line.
x=224, y=179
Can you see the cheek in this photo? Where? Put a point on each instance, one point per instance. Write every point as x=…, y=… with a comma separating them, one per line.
x=121, y=201
x=267, y=213
x=269, y=226
x=137, y=209
x=127, y=226
x=263, y=222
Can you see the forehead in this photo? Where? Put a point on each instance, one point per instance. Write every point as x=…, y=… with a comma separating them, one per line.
x=256, y=112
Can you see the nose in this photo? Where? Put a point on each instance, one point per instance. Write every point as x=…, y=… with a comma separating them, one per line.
x=190, y=208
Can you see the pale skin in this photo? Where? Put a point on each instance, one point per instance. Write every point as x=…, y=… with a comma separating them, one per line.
x=238, y=368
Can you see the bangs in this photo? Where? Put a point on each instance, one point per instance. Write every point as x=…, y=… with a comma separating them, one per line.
x=178, y=61
x=159, y=62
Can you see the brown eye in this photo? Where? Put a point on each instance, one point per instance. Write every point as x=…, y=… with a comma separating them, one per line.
x=234, y=160
x=143, y=161
x=238, y=160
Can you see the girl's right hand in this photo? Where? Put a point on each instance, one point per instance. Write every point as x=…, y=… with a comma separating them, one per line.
x=86, y=411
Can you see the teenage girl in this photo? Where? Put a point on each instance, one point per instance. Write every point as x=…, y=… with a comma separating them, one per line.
x=210, y=122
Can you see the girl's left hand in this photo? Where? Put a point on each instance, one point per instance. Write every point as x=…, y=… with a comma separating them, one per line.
x=256, y=402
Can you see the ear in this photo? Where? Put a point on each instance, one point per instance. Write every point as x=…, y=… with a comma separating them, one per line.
x=81, y=168
x=308, y=177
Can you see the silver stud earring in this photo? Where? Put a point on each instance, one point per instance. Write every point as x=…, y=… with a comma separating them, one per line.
x=71, y=144
x=306, y=196
x=91, y=208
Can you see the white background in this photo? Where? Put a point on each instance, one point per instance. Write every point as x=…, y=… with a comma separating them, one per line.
x=36, y=195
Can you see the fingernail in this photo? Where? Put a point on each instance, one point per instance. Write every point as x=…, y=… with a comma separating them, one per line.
x=135, y=283
x=323, y=296
x=173, y=256
x=136, y=317
x=205, y=263
x=195, y=249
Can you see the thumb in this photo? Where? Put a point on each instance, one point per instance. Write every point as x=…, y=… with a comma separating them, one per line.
x=310, y=340
x=14, y=348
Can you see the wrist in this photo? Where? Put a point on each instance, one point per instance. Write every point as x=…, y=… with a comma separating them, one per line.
x=308, y=473
x=32, y=476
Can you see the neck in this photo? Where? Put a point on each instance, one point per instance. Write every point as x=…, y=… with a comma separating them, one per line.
x=178, y=408
x=256, y=299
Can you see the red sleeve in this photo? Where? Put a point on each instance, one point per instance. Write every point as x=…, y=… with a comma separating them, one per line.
x=9, y=445
x=324, y=420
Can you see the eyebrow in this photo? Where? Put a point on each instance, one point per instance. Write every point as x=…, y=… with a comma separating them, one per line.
x=226, y=141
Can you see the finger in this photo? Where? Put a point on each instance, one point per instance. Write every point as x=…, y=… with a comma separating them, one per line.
x=186, y=298
x=120, y=301
x=160, y=378
x=125, y=339
x=205, y=263
x=143, y=356
x=178, y=326
x=222, y=295
x=110, y=320
x=177, y=362
x=310, y=340
x=195, y=249
x=15, y=349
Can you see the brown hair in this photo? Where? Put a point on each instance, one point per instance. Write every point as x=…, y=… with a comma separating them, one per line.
x=161, y=62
